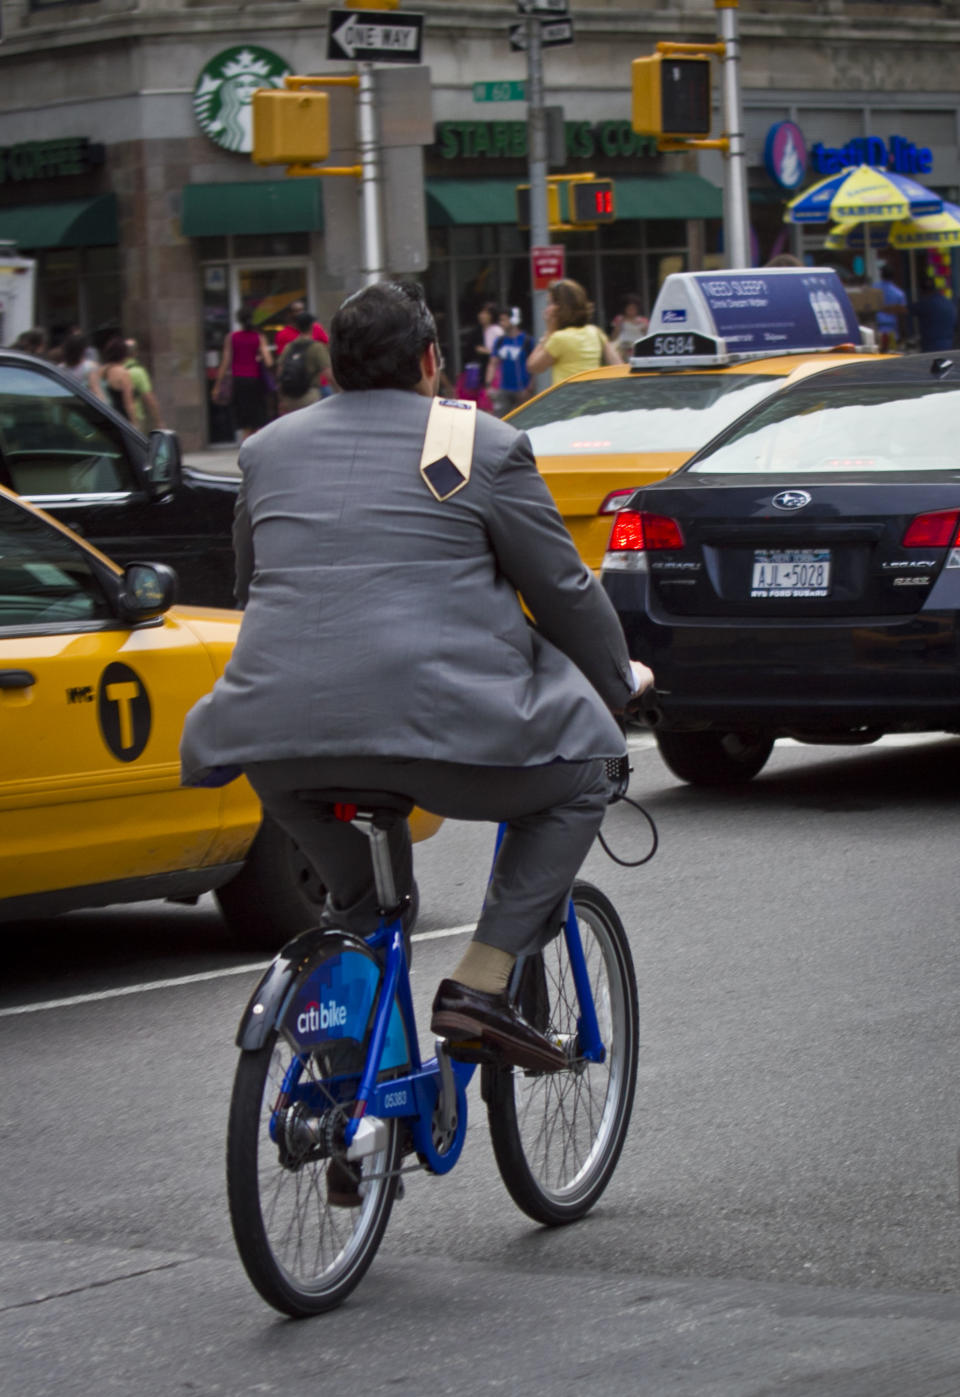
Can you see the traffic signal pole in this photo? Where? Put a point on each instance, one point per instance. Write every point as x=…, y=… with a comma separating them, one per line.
x=736, y=212
x=373, y=260
x=537, y=165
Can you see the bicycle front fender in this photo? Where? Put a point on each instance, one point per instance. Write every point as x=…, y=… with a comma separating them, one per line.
x=266, y=1005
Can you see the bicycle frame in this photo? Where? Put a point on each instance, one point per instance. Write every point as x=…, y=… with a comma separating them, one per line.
x=417, y=1095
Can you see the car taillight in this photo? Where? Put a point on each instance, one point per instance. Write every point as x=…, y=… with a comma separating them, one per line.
x=616, y=500
x=938, y=529
x=636, y=530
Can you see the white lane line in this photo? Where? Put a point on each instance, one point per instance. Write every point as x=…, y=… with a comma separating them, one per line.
x=445, y=931
x=42, y=1006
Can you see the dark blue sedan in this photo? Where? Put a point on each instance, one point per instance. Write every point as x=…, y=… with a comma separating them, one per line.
x=800, y=576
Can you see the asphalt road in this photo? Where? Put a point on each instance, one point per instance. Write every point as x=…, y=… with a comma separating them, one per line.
x=785, y=1218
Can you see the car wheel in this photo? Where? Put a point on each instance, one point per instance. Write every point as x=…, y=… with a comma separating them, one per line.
x=274, y=896
x=714, y=758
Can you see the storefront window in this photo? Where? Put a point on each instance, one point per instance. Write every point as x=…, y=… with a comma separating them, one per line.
x=471, y=265
x=271, y=245
x=211, y=249
x=79, y=286
x=269, y=293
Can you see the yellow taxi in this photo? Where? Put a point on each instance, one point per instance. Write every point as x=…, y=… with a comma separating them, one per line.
x=707, y=358
x=97, y=671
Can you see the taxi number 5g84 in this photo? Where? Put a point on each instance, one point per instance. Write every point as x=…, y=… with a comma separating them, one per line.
x=674, y=344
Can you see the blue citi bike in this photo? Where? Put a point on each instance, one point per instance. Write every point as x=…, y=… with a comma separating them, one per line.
x=330, y=1081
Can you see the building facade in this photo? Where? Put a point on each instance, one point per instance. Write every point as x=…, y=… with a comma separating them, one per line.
x=123, y=169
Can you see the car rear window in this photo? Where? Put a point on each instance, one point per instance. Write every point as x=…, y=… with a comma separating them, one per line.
x=850, y=428
x=676, y=412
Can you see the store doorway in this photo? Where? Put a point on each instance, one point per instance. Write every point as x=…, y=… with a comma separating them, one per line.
x=268, y=290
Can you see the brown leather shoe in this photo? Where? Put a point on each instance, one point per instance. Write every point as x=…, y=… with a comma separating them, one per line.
x=343, y=1184
x=463, y=1016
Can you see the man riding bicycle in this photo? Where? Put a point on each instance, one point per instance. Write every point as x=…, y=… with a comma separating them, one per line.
x=383, y=539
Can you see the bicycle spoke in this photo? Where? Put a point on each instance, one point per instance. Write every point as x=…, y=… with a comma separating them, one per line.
x=557, y=1135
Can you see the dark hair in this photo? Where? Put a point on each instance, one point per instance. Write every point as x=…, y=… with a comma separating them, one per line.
x=245, y=317
x=304, y=322
x=571, y=302
x=115, y=350
x=379, y=335
x=73, y=348
x=31, y=342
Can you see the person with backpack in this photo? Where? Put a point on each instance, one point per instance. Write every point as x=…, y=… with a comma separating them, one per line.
x=302, y=362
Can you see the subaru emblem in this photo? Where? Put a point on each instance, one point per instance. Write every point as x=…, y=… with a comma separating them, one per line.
x=791, y=499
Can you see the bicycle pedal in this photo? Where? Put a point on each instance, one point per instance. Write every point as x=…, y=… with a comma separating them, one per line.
x=470, y=1050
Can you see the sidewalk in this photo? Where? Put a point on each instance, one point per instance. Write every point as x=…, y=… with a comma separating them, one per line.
x=216, y=460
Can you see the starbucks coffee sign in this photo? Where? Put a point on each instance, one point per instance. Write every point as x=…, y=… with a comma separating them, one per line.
x=224, y=92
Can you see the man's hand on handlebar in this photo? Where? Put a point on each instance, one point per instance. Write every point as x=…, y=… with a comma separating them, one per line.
x=643, y=679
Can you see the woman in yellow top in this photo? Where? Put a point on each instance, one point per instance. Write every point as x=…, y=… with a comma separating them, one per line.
x=570, y=344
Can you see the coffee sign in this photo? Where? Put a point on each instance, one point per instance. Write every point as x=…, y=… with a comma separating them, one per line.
x=28, y=160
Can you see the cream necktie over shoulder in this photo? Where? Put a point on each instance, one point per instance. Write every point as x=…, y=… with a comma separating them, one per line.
x=447, y=454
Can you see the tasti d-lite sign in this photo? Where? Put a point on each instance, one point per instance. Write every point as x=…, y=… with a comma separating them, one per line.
x=896, y=154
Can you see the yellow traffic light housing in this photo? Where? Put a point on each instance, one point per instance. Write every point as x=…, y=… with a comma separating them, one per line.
x=671, y=96
x=553, y=205
x=591, y=201
x=290, y=128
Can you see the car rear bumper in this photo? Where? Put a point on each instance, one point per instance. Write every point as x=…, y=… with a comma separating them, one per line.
x=899, y=674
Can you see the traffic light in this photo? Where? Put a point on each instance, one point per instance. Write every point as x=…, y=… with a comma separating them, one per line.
x=591, y=201
x=553, y=206
x=671, y=96
x=290, y=128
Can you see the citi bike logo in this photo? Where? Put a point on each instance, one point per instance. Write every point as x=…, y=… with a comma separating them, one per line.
x=319, y=1016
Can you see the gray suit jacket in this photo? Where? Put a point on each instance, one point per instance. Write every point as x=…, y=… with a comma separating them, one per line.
x=382, y=622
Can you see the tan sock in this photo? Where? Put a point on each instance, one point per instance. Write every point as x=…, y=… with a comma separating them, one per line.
x=484, y=968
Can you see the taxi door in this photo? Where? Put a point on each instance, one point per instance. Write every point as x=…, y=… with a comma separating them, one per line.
x=90, y=718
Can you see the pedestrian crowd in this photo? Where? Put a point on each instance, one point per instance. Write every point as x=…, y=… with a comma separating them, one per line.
x=500, y=359
x=108, y=364
x=259, y=381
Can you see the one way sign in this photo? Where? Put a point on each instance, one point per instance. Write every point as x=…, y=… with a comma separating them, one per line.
x=375, y=36
x=552, y=33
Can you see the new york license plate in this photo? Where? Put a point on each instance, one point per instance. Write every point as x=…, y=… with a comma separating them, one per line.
x=791, y=572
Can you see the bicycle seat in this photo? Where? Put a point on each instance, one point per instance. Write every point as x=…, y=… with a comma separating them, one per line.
x=381, y=806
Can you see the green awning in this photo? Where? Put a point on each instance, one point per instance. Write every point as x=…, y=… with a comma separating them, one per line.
x=471, y=201
x=668, y=196
x=75, y=223
x=483, y=200
x=255, y=206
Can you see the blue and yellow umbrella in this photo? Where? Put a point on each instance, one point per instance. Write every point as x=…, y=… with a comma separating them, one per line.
x=862, y=194
x=910, y=234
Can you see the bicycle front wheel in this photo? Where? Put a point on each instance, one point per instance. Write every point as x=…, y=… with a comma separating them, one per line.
x=557, y=1136
x=303, y=1254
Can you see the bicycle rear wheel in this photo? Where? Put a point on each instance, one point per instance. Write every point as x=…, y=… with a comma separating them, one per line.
x=557, y=1136
x=303, y=1255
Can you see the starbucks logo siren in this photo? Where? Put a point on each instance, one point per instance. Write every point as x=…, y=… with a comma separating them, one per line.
x=224, y=92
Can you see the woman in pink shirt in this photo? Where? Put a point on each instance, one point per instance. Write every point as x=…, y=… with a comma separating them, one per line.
x=245, y=352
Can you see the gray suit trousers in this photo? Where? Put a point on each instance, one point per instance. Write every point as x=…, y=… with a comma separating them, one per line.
x=552, y=813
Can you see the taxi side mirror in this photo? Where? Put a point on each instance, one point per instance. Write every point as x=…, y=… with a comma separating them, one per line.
x=146, y=590
x=163, y=462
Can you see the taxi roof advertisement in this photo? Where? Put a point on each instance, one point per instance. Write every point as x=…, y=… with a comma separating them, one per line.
x=760, y=311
